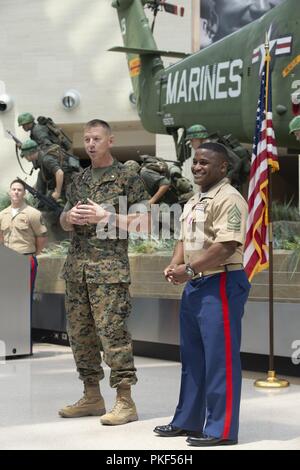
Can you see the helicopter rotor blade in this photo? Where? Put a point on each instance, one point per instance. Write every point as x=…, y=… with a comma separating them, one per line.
x=174, y=9
x=156, y=5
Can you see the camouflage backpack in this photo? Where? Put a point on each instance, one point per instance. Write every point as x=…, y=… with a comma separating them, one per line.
x=156, y=164
x=59, y=136
x=181, y=187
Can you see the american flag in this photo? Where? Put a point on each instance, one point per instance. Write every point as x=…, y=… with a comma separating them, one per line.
x=282, y=46
x=264, y=153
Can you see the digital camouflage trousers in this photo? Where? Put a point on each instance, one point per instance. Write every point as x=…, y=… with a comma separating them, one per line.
x=96, y=318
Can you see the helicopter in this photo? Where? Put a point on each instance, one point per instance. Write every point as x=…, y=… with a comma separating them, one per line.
x=217, y=86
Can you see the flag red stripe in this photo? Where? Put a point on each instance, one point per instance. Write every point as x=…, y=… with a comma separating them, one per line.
x=253, y=194
x=264, y=153
x=283, y=45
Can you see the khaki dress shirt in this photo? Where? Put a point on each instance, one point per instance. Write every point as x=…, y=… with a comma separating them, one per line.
x=220, y=215
x=20, y=231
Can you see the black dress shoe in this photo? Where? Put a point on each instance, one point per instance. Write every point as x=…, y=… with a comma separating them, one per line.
x=171, y=431
x=206, y=441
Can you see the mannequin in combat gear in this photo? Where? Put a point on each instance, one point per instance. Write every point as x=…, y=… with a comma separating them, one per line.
x=294, y=127
x=44, y=132
x=55, y=174
x=55, y=165
x=239, y=159
x=164, y=184
x=239, y=156
x=196, y=135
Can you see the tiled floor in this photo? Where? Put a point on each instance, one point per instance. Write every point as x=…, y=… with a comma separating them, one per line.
x=33, y=389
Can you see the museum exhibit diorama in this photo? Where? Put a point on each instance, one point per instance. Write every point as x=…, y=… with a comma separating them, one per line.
x=150, y=106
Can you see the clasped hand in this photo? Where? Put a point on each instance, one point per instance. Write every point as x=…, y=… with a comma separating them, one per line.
x=175, y=273
x=90, y=213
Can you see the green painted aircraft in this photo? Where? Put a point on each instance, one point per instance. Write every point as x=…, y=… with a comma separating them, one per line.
x=219, y=85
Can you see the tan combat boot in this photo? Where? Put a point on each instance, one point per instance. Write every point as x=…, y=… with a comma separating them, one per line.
x=91, y=404
x=124, y=410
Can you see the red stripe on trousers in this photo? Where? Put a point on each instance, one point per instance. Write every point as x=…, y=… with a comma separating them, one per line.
x=228, y=356
x=32, y=266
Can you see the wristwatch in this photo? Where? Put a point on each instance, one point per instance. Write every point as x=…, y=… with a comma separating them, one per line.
x=189, y=270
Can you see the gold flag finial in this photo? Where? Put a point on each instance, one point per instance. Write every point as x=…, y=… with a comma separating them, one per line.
x=267, y=43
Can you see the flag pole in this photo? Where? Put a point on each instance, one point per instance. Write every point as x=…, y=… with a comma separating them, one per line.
x=272, y=381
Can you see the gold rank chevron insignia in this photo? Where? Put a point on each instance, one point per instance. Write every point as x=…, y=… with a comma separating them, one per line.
x=234, y=219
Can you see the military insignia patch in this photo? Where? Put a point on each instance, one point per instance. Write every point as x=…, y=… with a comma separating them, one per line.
x=234, y=219
x=135, y=67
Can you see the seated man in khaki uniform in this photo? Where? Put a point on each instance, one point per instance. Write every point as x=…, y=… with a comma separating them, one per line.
x=22, y=228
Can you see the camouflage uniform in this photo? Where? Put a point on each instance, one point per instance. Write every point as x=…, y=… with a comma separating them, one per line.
x=97, y=280
x=154, y=180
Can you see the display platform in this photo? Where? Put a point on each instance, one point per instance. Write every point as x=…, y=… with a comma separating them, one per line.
x=154, y=320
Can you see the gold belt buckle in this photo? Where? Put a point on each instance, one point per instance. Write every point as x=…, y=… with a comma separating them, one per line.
x=198, y=275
